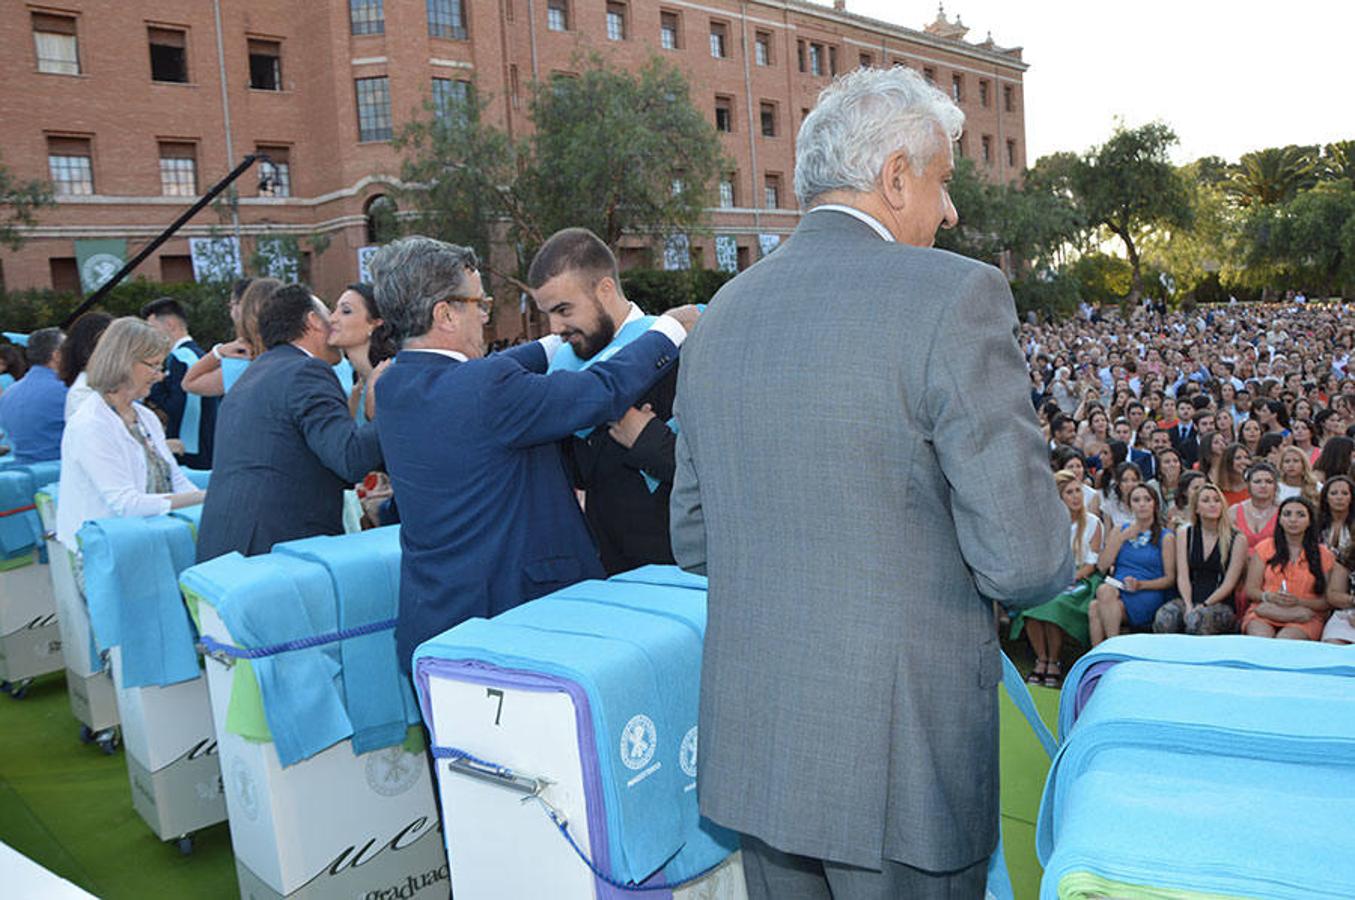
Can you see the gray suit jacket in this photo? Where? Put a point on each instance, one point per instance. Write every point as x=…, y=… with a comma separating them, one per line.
x=858, y=469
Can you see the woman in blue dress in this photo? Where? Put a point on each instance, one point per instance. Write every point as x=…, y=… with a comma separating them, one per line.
x=1142, y=555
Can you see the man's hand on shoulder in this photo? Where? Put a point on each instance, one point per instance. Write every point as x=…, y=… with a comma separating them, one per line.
x=686, y=316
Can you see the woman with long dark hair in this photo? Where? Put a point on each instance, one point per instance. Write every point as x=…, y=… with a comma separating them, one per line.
x=359, y=331
x=1287, y=578
x=1340, y=627
x=1335, y=458
x=75, y=353
x=1333, y=511
x=1230, y=472
x=1143, y=557
x=1249, y=435
x=1115, y=511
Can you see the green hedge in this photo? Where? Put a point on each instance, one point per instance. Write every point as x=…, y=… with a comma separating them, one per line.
x=207, y=307
x=656, y=290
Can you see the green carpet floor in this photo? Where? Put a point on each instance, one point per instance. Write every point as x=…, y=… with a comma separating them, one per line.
x=68, y=807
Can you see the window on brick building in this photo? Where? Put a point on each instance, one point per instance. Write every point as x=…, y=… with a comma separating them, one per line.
x=513, y=86
x=169, y=54
x=1011, y=154
x=832, y=61
x=374, y=109
x=451, y=98
x=669, y=37
x=176, y=269
x=767, y=117
x=771, y=192
x=719, y=40
x=275, y=173
x=367, y=16
x=983, y=93
x=815, y=59
x=1008, y=98
x=616, y=21
x=987, y=143
x=724, y=113
x=762, y=48
x=70, y=165
x=265, y=65
x=864, y=61
x=959, y=147
x=178, y=169
x=56, y=44
x=65, y=275
x=957, y=88
x=930, y=74
x=727, y=192
x=447, y=19
x=800, y=54
x=557, y=15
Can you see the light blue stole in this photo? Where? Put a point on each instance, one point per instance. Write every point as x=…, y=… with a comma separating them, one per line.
x=566, y=360
x=232, y=367
x=190, y=427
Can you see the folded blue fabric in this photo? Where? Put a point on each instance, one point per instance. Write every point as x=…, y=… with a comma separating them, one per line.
x=672, y=575
x=1209, y=779
x=640, y=670
x=190, y=514
x=20, y=532
x=199, y=477
x=1232, y=651
x=273, y=599
x=364, y=568
x=132, y=567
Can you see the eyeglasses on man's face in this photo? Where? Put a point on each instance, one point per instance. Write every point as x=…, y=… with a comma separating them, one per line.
x=486, y=303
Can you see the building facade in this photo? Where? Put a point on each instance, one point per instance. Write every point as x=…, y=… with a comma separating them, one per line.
x=134, y=108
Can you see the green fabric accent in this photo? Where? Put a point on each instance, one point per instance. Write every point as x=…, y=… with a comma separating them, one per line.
x=1086, y=886
x=244, y=711
x=26, y=559
x=1068, y=611
x=415, y=742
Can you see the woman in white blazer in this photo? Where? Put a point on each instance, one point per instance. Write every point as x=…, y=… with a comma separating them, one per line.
x=114, y=460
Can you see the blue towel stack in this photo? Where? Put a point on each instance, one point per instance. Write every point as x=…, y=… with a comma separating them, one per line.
x=132, y=567
x=628, y=651
x=307, y=589
x=20, y=532
x=1220, y=766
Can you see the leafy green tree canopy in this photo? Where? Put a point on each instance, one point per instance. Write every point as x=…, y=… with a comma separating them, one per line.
x=19, y=204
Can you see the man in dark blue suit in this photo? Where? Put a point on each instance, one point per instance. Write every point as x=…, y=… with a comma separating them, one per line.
x=286, y=445
x=191, y=419
x=488, y=515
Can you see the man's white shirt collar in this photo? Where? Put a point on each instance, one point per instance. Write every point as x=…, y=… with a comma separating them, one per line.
x=454, y=354
x=180, y=342
x=861, y=216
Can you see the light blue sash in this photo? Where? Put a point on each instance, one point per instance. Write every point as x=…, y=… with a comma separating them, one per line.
x=232, y=367
x=190, y=426
x=566, y=360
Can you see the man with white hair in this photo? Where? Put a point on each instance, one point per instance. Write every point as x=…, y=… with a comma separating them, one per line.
x=856, y=458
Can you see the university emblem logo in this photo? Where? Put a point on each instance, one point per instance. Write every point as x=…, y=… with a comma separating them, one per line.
x=637, y=742
x=99, y=268
x=391, y=772
x=687, y=753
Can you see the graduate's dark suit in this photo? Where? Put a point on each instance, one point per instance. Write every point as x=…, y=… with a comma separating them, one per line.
x=286, y=450
x=488, y=515
x=169, y=397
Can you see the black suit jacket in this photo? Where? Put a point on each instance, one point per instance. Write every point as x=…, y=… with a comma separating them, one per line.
x=286, y=449
x=629, y=523
x=1189, y=446
x=169, y=397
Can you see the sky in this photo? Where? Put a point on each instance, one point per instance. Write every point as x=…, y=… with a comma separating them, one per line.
x=1227, y=77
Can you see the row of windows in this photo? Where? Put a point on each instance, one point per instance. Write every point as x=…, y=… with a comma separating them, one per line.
x=446, y=18
x=374, y=104
x=70, y=165
x=986, y=150
x=56, y=43
x=771, y=191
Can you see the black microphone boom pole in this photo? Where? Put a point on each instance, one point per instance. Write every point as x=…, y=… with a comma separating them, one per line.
x=164, y=236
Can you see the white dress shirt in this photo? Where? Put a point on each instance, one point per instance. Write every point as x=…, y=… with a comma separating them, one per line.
x=103, y=469
x=75, y=397
x=858, y=214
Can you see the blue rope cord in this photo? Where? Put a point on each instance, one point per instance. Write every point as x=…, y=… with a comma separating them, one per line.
x=211, y=645
x=563, y=827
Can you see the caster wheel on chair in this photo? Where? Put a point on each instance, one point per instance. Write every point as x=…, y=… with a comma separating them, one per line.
x=18, y=690
x=108, y=741
x=86, y=735
x=185, y=845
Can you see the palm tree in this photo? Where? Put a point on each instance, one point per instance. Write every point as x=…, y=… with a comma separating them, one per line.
x=1338, y=161
x=1273, y=175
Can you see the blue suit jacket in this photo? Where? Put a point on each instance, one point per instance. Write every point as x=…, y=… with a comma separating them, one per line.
x=286, y=449
x=33, y=411
x=488, y=516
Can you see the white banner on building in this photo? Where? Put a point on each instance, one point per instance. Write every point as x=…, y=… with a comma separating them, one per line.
x=726, y=253
x=277, y=258
x=365, y=255
x=768, y=242
x=677, y=252
x=216, y=259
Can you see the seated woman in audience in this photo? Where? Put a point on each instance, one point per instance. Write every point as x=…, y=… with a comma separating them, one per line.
x=1179, y=511
x=1296, y=478
x=1270, y=446
x=1255, y=517
x=1340, y=627
x=1333, y=511
x=1223, y=424
x=1287, y=578
x=213, y=375
x=1211, y=558
x=1142, y=555
x=1301, y=436
x=114, y=460
x=75, y=353
x=13, y=366
x=1068, y=458
x=1047, y=623
x=1212, y=446
x=1230, y=473
x=1335, y=458
x=1328, y=424
x=1249, y=435
x=1115, y=511
x=1169, y=471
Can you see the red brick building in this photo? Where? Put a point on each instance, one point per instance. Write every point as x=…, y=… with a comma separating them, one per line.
x=134, y=107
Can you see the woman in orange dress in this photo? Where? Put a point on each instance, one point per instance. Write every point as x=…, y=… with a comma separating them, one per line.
x=1287, y=578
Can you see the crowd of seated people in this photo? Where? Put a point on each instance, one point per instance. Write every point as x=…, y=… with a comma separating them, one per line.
x=1215, y=448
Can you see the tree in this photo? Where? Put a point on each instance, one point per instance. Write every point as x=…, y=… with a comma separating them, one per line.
x=19, y=203
x=1128, y=186
x=1307, y=243
x=1209, y=250
x=1338, y=161
x=614, y=151
x=1273, y=175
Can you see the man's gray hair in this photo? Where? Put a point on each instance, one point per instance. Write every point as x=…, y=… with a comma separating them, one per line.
x=860, y=120
x=411, y=275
